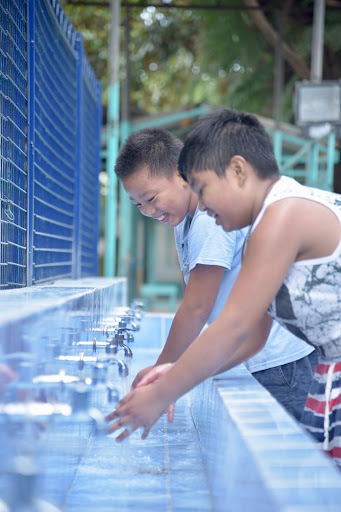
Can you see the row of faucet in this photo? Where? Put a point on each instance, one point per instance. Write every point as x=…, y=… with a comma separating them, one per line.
x=74, y=382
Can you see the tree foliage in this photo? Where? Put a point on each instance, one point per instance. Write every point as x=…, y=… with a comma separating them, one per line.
x=225, y=57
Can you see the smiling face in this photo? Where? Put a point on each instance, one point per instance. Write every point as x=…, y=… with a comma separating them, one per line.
x=226, y=198
x=167, y=199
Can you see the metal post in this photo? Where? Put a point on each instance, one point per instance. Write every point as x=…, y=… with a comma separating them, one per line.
x=30, y=140
x=317, y=42
x=315, y=165
x=76, y=253
x=279, y=69
x=126, y=252
x=278, y=143
x=98, y=193
x=125, y=121
x=330, y=160
x=112, y=139
x=278, y=88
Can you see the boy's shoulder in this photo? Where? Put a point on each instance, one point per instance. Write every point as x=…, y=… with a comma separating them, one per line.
x=287, y=187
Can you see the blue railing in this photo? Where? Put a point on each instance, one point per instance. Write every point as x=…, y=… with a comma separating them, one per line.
x=310, y=161
x=90, y=109
x=50, y=143
x=13, y=84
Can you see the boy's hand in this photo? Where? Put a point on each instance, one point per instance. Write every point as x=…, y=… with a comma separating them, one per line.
x=154, y=374
x=140, y=376
x=142, y=407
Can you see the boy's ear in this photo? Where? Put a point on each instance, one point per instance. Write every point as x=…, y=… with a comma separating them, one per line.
x=177, y=173
x=239, y=168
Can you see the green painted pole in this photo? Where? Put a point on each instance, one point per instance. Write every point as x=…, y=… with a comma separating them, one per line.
x=127, y=227
x=312, y=164
x=315, y=165
x=113, y=120
x=125, y=219
x=331, y=160
x=277, y=143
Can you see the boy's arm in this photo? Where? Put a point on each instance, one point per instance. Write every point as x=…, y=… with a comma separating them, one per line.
x=199, y=298
x=251, y=345
x=248, y=349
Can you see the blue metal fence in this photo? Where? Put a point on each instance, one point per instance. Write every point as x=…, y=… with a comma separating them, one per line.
x=89, y=159
x=50, y=146
x=13, y=84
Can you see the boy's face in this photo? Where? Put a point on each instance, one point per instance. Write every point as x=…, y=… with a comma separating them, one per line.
x=221, y=197
x=167, y=199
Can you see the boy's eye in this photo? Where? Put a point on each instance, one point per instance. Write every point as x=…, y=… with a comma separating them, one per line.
x=151, y=199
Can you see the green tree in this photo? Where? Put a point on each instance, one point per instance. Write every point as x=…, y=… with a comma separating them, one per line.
x=243, y=43
x=225, y=57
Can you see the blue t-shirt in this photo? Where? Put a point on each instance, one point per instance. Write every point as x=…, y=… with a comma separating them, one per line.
x=201, y=241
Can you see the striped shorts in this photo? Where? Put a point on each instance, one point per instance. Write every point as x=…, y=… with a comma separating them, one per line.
x=322, y=411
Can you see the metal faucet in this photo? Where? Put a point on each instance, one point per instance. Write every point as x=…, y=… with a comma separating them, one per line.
x=117, y=343
x=80, y=359
x=129, y=318
x=110, y=346
x=94, y=344
x=122, y=328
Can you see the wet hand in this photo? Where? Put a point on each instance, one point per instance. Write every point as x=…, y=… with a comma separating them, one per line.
x=140, y=376
x=142, y=407
x=154, y=374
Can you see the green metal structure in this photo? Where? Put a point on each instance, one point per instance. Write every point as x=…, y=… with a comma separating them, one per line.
x=309, y=161
x=111, y=202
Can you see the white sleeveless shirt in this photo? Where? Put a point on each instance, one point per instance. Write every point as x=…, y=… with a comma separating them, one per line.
x=201, y=241
x=308, y=303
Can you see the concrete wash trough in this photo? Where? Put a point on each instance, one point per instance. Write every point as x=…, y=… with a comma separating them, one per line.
x=231, y=446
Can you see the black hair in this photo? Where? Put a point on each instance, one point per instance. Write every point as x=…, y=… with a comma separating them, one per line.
x=151, y=148
x=220, y=135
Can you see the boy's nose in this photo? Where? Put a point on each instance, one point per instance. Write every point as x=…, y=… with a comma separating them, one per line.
x=148, y=210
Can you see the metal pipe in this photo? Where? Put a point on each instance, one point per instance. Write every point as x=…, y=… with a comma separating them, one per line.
x=125, y=252
x=317, y=41
x=112, y=139
x=279, y=72
x=30, y=140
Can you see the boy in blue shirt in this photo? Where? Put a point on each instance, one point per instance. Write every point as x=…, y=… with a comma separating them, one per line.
x=210, y=260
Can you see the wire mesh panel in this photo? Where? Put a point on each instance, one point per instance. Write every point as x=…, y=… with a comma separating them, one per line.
x=90, y=163
x=50, y=144
x=13, y=103
x=55, y=142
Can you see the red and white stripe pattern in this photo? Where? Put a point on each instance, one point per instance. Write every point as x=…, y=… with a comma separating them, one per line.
x=322, y=412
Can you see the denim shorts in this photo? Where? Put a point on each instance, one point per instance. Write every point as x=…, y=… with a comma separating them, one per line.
x=290, y=383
